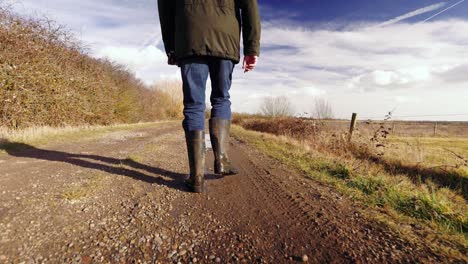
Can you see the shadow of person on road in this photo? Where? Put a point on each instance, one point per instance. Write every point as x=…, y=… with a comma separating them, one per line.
x=109, y=165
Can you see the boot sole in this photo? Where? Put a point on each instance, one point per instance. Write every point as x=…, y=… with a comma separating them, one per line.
x=196, y=188
x=226, y=173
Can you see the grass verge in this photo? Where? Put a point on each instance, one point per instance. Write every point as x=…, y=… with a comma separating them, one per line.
x=440, y=209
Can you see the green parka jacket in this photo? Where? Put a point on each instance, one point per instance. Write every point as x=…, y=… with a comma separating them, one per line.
x=210, y=27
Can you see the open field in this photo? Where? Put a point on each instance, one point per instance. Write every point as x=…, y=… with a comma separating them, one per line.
x=429, y=151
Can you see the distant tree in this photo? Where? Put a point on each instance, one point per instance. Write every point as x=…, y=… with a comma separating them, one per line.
x=322, y=109
x=276, y=106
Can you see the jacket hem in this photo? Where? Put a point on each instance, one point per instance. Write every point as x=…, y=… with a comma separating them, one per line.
x=187, y=55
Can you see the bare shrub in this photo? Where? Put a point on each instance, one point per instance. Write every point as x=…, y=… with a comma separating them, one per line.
x=322, y=109
x=277, y=107
x=379, y=137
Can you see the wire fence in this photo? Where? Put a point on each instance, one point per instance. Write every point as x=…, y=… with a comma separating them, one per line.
x=445, y=116
x=403, y=128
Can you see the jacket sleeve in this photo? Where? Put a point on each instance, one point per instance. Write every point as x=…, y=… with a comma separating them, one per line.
x=251, y=27
x=167, y=20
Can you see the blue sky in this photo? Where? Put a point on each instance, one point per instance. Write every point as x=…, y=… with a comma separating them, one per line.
x=362, y=56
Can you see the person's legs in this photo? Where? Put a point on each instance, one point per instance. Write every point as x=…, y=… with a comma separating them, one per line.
x=194, y=75
x=220, y=121
x=221, y=80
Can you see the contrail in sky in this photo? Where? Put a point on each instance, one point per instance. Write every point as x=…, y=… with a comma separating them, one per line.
x=450, y=7
x=414, y=13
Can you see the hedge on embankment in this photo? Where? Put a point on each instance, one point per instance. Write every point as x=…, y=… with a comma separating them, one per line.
x=47, y=78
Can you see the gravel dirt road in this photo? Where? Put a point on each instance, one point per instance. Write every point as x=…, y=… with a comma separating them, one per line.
x=119, y=198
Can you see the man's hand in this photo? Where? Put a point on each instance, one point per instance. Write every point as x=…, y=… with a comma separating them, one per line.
x=249, y=63
x=171, y=60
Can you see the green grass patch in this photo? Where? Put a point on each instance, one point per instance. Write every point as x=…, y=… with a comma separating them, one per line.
x=368, y=186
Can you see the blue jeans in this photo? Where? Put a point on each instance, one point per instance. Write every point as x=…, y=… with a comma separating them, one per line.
x=195, y=73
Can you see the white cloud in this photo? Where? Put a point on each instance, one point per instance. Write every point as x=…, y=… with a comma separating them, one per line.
x=390, y=79
x=134, y=57
x=403, y=99
x=454, y=74
x=308, y=91
x=148, y=63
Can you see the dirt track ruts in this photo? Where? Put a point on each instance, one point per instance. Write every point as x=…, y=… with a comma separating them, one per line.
x=120, y=198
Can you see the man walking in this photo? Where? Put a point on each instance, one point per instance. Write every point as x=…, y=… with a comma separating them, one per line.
x=202, y=37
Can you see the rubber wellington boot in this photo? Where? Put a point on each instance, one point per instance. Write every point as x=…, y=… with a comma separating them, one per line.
x=219, y=134
x=196, y=155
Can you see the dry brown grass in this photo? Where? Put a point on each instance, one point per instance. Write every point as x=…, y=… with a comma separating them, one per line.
x=47, y=78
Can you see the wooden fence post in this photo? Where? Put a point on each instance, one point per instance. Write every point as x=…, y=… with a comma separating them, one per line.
x=352, y=126
x=435, y=129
